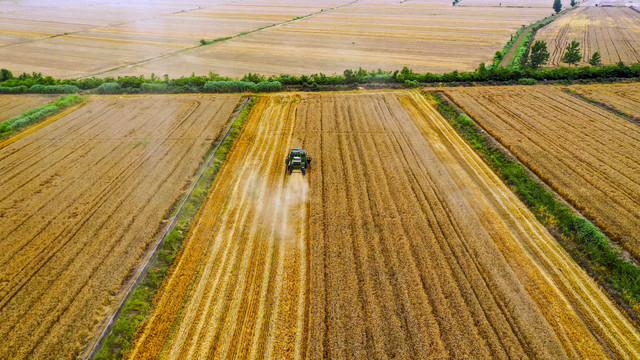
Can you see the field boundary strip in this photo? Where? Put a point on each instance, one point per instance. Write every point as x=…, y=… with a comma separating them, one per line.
x=39, y=123
x=108, y=328
x=244, y=33
x=585, y=243
x=604, y=106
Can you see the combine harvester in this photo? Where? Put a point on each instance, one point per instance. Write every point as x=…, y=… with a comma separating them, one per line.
x=297, y=160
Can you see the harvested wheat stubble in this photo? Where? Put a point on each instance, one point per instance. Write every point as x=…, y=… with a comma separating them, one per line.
x=587, y=154
x=14, y=105
x=80, y=203
x=614, y=32
x=73, y=39
x=623, y=97
x=407, y=245
x=372, y=35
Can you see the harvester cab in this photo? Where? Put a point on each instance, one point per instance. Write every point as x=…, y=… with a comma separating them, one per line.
x=297, y=160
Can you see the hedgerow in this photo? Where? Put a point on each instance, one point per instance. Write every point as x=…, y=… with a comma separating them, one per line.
x=349, y=79
x=241, y=86
x=13, y=90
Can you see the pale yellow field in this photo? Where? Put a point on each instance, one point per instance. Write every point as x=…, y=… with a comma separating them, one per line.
x=425, y=36
x=514, y=3
x=70, y=39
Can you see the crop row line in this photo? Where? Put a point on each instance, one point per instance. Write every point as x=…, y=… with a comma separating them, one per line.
x=589, y=246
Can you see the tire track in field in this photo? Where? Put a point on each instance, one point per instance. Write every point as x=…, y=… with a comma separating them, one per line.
x=124, y=174
x=249, y=297
x=78, y=192
x=408, y=246
x=162, y=174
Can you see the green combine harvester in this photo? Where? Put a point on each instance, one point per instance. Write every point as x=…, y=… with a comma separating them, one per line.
x=297, y=160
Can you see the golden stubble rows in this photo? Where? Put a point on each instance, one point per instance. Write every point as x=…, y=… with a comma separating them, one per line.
x=406, y=245
x=81, y=201
x=587, y=154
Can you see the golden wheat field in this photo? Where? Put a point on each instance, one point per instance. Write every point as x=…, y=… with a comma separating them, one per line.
x=81, y=202
x=612, y=31
x=588, y=155
x=399, y=243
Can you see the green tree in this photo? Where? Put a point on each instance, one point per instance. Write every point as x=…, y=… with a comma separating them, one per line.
x=572, y=55
x=573, y=3
x=539, y=54
x=5, y=75
x=595, y=60
x=557, y=5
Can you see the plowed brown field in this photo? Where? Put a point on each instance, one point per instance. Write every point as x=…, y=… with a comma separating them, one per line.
x=587, y=154
x=612, y=31
x=399, y=242
x=80, y=202
x=624, y=97
x=14, y=105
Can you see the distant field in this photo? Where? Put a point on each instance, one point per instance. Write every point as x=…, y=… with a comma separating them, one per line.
x=434, y=37
x=71, y=39
x=14, y=105
x=587, y=154
x=613, y=31
x=514, y=3
x=624, y=97
x=81, y=201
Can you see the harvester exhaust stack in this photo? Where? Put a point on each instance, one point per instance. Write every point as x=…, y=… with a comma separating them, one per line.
x=297, y=160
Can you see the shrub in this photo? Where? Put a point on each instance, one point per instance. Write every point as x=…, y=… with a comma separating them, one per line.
x=527, y=81
x=411, y=83
x=53, y=89
x=109, y=88
x=154, y=88
x=13, y=90
x=229, y=86
x=269, y=86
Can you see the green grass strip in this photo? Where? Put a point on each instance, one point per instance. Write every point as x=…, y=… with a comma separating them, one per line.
x=28, y=118
x=139, y=305
x=591, y=245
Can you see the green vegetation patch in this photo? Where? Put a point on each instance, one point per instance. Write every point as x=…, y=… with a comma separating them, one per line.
x=139, y=305
x=591, y=245
x=28, y=118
